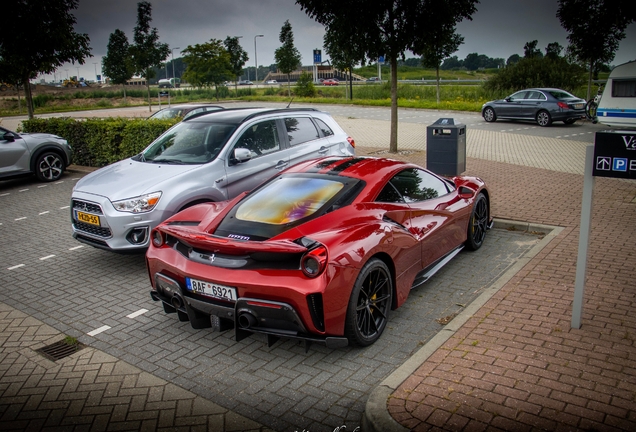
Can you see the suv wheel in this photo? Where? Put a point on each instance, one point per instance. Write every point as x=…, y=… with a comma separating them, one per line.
x=49, y=167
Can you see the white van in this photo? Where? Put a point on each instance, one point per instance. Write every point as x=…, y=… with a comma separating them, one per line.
x=617, y=106
x=170, y=83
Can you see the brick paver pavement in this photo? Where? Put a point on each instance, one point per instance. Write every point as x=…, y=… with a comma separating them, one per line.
x=517, y=364
x=91, y=390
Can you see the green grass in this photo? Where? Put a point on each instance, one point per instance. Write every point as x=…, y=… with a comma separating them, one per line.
x=453, y=97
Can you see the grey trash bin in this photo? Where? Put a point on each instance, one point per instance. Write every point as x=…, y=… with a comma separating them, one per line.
x=446, y=147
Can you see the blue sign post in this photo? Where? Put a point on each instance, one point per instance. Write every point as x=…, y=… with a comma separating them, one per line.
x=317, y=56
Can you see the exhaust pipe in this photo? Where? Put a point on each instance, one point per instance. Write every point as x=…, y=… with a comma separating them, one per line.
x=177, y=301
x=247, y=320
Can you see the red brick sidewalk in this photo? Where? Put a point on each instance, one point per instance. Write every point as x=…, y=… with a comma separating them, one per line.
x=517, y=365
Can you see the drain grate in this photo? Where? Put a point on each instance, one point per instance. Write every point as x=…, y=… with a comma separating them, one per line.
x=59, y=350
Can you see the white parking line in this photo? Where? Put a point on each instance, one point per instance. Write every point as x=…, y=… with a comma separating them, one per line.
x=46, y=257
x=19, y=219
x=42, y=186
x=60, y=182
x=65, y=207
x=43, y=213
x=15, y=267
x=136, y=314
x=77, y=247
x=5, y=194
x=98, y=331
x=23, y=190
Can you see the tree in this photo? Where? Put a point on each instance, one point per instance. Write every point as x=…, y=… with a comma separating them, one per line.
x=147, y=52
x=38, y=37
x=553, y=50
x=387, y=28
x=344, y=49
x=117, y=63
x=287, y=56
x=513, y=59
x=238, y=58
x=530, y=50
x=435, y=46
x=595, y=29
x=208, y=64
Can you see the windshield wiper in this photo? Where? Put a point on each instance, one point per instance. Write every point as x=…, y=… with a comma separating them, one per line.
x=168, y=161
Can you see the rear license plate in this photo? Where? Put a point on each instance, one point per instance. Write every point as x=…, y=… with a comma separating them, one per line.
x=88, y=218
x=579, y=106
x=210, y=289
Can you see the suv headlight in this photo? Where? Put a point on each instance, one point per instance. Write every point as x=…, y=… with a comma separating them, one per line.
x=140, y=204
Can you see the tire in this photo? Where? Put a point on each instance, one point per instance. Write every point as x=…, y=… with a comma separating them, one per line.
x=478, y=223
x=543, y=118
x=569, y=121
x=369, y=305
x=489, y=114
x=590, y=109
x=49, y=167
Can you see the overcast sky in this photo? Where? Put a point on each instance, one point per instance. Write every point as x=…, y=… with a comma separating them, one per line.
x=499, y=28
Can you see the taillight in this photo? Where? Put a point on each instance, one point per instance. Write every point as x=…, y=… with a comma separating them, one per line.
x=314, y=262
x=352, y=142
x=563, y=105
x=157, y=238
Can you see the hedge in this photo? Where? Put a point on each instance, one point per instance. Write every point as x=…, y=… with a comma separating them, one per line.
x=97, y=142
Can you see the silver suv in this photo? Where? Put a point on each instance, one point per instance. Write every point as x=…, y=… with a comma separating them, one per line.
x=44, y=154
x=208, y=157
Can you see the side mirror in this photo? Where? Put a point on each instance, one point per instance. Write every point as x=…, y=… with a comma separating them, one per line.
x=9, y=136
x=465, y=192
x=508, y=99
x=241, y=155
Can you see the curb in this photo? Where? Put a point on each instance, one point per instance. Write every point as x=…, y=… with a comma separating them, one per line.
x=376, y=416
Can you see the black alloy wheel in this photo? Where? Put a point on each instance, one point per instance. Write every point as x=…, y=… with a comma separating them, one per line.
x=478, y=223
x=369, y=304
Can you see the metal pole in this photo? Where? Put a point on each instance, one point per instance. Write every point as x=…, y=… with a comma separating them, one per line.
x=173, y=75
x=95, y=64
x=584, y=237
x=256, y=58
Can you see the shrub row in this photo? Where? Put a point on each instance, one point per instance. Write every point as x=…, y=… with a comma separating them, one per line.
x=99, y=142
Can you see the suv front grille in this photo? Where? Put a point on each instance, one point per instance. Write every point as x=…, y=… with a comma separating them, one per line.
x=87, y=207
x=92, y=229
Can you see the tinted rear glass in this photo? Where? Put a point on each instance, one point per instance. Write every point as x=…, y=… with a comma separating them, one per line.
x=287, y=200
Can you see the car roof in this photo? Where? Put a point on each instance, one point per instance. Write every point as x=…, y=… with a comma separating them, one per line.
x=240, y=115
x=359, y=167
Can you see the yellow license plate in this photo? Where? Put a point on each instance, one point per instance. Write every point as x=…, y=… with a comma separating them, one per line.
x=88, y=218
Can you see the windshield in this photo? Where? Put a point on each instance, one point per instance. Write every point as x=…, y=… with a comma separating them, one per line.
x=188, y=143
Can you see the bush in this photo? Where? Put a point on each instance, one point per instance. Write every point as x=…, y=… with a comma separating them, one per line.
x=99, y=142
x=304, y=86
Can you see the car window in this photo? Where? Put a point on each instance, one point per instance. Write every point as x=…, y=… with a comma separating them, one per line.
x=300, y=130
x=390, y=195
x=260, y=138
x=194, y=111
x=534, y=95
x=415, y=185
x=561, y=95
x=519, y=95
x=324, y=128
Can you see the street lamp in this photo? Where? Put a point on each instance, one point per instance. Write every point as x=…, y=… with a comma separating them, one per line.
x=77, y=73
x=95, y=64
x=256, y=58
x=173, y=75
